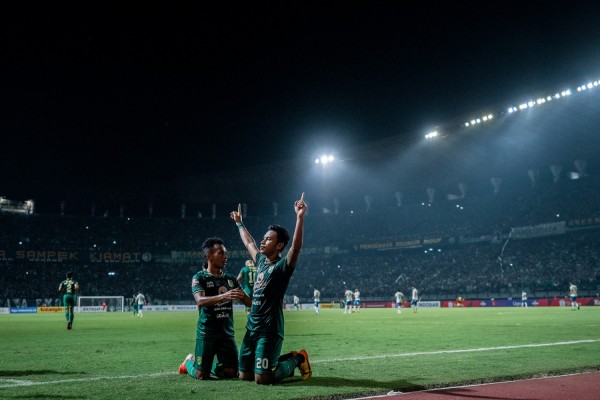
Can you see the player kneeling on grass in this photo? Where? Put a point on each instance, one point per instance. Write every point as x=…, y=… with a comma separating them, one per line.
x=214, y=292
x=260, y=359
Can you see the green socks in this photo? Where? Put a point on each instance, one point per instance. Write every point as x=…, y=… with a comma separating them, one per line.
x=287, y=365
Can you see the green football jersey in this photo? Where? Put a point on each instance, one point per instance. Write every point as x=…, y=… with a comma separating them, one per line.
x=248, y=278
x=266, y=313
x=69, y=286
x=216, y=319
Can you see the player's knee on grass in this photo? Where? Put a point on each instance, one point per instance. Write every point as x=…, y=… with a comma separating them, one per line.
x=246, y=376
x=264, y=379
x=202, y=375
x=229, y=373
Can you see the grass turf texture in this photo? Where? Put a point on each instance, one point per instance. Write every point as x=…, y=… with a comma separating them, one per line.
x=114, y=355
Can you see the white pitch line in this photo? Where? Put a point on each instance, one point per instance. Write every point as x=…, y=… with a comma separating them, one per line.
x=11, y=383
x=16, y=383
x=432, y=353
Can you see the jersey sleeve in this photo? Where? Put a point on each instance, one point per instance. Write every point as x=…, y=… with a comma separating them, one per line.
x=198, y=284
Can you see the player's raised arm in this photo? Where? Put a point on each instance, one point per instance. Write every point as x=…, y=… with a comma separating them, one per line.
x=292, y=255
x=247, y=239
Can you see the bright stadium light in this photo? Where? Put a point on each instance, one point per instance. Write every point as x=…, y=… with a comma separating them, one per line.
x=325, y=159
x=432, y=135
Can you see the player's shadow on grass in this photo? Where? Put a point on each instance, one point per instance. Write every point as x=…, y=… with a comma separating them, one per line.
x=37, y=372
x=335, y=381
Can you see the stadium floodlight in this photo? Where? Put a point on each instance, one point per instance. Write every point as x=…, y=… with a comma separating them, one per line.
x=325, y=159
x=432, y=135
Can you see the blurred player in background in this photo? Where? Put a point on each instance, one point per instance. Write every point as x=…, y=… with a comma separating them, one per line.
x=414, y=299
x=317, y=300
x=246, y=278
x=524, y=299
x=399, y=296
x=296, y=303
x=260, y=354
x=70, y=287
x=459, y=301
x=349, y=296
x=573, y=296
x=214, y=292
x=140, y=299
x=356, y=300
x=134, y=305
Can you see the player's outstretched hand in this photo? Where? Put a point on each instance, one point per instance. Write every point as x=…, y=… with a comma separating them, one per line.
x=237, y=215
x=300, y=206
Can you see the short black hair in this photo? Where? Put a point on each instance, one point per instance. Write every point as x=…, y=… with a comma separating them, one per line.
x=69, y=275
x=283, y=235
x=208, y=244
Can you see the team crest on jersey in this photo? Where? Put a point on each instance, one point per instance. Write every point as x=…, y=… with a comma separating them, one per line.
x=210, y=284
x=230, y=282
x=271, y=268
x=259, y=280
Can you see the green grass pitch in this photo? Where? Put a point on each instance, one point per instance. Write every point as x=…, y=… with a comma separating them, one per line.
x=117, y=356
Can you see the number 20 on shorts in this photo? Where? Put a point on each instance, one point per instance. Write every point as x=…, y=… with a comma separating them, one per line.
x=262, y=363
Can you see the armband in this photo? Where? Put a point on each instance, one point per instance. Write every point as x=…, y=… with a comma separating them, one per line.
x=240, y=225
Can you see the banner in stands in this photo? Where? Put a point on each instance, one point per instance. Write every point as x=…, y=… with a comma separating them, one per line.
x=549, y=229
x=4, y=310
x=90, y=309
x=195, y=256
x=373, y=304
x=50, y=309
x=191, y=307
x=400, y=244
x=553, y=302
x=581, y=222
x=58, y=256
x=23, y=310
x=429, y=304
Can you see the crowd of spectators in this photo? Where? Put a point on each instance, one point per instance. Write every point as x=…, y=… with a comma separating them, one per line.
x=493, y=267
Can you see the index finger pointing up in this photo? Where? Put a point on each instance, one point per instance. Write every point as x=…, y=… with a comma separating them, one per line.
x=302, y=197
x=239, y=209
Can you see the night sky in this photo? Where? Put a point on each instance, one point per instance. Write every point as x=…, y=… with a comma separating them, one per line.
x=97, y=96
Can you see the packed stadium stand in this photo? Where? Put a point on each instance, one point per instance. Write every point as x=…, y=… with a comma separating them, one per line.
x=535, y=238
